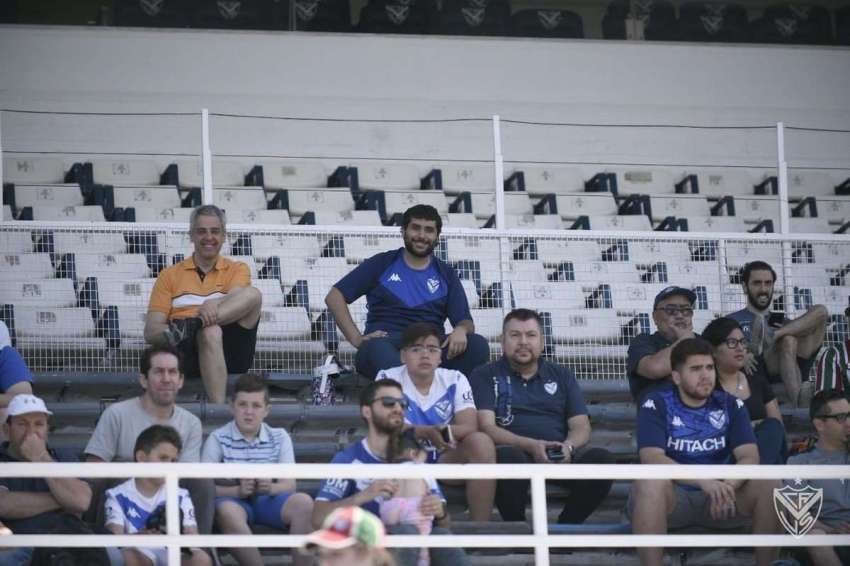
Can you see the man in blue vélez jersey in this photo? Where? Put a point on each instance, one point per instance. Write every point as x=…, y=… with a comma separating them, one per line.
x=404, y=286
x=689, y=422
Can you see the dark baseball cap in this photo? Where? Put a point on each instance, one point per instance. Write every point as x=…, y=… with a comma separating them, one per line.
x=674, y=290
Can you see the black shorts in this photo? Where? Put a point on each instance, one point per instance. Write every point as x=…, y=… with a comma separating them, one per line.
x=239, y=345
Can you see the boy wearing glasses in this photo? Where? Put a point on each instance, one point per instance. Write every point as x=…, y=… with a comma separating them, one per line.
x=441, y=411
x=382, y=406
x=648, y=363
x=829, y=412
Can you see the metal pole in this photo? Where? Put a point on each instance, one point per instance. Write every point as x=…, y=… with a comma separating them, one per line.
x=2, y=203
x=172, y=515
x=499, y=167
x=782, y=174
x=206, y=156
x=540, y=520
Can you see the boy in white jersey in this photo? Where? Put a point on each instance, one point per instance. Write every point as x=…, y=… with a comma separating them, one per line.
x=241, y=503
x=137, y=506
x=442, y=412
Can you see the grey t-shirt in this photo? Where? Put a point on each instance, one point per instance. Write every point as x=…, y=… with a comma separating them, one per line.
x=836, y=493
x=121, y=423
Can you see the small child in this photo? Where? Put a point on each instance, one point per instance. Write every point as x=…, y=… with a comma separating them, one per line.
x=137, y=506
x=403, y=508
x=242, y=503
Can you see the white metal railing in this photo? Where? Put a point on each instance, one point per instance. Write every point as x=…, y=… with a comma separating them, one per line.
x=540, y=540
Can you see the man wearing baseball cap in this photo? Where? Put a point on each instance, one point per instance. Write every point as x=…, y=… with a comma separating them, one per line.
x=35, y=505
x=350, y=536
x=648, y=362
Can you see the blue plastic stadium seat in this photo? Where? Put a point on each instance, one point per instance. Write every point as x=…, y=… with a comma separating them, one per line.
x=793, y=23
x=322, y=15
x=473, y=17
x=842, y=25
x=395, y=16
x=713, y=21
x=659, y=19
x=546, y=23
x=152, y=13
x=233, y=14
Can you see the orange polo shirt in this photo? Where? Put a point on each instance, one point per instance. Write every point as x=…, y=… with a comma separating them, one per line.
x=179, y=289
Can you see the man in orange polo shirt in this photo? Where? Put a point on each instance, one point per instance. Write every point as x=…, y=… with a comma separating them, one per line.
x=206, y=308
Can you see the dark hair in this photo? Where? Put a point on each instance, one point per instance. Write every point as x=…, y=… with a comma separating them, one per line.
x=151, y=351
x=251, y=383
x=687, y=348
x=368, y=393
x=757, y=265
x=155, y=435
x=719, y=329
x=422, y=212
x=399, y=443
x=417, y=331
x=523, y=315
x=821, y=399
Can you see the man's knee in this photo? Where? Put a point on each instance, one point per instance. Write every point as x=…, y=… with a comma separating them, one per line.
x=229, y=513
x=648, y=493
x=595, y=455
x=820, y=314
x=299, y=504
x=477, y=350
x=376, y=354
x=479, y=448
x=511, y=455
x=788, y=345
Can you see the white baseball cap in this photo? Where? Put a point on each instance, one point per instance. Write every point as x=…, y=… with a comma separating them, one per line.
x=25, y=403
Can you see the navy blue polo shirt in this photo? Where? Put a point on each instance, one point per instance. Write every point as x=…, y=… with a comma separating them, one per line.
x=641, y=346
x=540, y=406
x=398, y=295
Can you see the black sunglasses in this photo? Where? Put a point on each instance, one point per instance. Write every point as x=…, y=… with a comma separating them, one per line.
x=390, y=402
x=839, y=417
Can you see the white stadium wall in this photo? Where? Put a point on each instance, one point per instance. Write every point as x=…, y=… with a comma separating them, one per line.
x=392, y=77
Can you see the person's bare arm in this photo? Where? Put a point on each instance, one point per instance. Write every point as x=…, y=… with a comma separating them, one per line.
x=772, y=410
x=579, y=431
x=156, y=323
x=745, y=455
x=16, y=389
x=115, y=529
x=655, y=455
x=464, y=423
x=71, y=494
x=385, y=488
x=342, y=315
x=657, y=365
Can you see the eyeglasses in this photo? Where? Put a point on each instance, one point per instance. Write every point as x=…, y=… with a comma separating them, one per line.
x=840, y=418
x=673, y=310
x=733, y=343
x=390, y=402
x=419, y=350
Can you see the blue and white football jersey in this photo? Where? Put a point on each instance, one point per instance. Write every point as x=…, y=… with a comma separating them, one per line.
x=128, y=507
x=450, y=393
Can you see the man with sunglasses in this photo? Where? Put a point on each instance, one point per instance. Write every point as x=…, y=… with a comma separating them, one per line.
x=382, y=406
x=648, y=362
x=830, y=414
x=442, y=412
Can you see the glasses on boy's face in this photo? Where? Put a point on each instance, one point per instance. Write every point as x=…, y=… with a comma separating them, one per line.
x=733, y=343
x=673, y=310
x=840, y=418
x=390, y=402
x=419, y=350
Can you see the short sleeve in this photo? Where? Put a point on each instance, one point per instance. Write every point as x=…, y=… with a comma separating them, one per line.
x=458, y=306
x=287, y=453
x=640, y=347
x=651, y=424
x=13, y=368
x=212, y=452
x=114, y=512
x=360, y=280
x=740, y=426
x=192, y=443
x=575, y=399
x=104, y=440
x=161, y=294
x=481, y=382
x=334, y=489
x=759, y=378
x=188, y=510
x=463, y=394
x=241, y=275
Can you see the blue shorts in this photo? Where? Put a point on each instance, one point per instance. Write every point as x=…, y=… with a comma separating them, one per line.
x=261, y=509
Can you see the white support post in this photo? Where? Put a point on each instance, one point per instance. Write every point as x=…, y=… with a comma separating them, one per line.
x=172, y=515
x=540, y=520
x=206, y=156
x=782, y=174
x=499, y=166
x=1, y=168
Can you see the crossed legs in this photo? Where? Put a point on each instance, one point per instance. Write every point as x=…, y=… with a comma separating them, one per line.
x=799, y=338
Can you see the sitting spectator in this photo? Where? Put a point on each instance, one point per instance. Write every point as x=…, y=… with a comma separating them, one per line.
x=114, y=437
x=833, y=365
x=830, y=414
x=690, y=422
x=534, y=412
x=206, y=308
x=382, y=406
x=137, y=506
x=441, y=411
x=648, y=361
x=35, y=505
x=788, y=346
x=350, y=536
x=730, y=358
x=15, y=376
x=242, y=503
x=402, y=287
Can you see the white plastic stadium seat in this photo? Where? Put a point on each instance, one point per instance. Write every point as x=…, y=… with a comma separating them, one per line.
x=240, y=198
x=484, y=204
x=643, y=181
x=628, y=222
x=271, y=291
x=488, y=322
x=55, y=196
x=147, y=197
x=483, y=250
x=471, y=293
x=16, y=241
x=399, y=201
x=585, y=325
x=228, y=173
x=636, y=297
x=124, y=293
x=806, y=182
x=467, y=177
x=124, y=267
x=284, y=323
x=91, y=242
x=387, y=176
x=462, y=220
x=290, y=247
x=33, y=170
x=43, y=327
x=834, y=209
x=125, y=172
x=542, y=179
x=175, y=215
x=191, y=173
x=7, y=212
x=43, y=292
x=525, y=270
x=598, y=272
x=359, y=247
x=259, y=217
x=756, y=209
x=350, y=218
x=294, y=174
x=556, y=251
x=722, y=182
x=728, y=224
x=28, y=266
x=131, y=321
x=651, y=251
x=679, y=206
x=321, y=275
x=571, y=206
x=827, y=255
x=547, y=222
x=327, y=200
x=810, y=226
x=740, y=253
x=69, y=213
x=547, y=296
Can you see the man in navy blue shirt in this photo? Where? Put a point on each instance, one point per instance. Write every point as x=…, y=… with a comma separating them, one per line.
x=648, y=362
x=402, y=287
x=534, y=412
x=691, y=422
x=788, y=346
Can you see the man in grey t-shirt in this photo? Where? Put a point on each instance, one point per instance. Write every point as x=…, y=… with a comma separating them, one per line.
x=120, y=424
x=829, y=411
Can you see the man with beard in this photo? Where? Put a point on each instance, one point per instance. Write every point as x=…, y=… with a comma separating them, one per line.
x=648, y=362
x=788, y=346
x=382, y=406
x=691, y=422
x=206, y=308
x=402, y=287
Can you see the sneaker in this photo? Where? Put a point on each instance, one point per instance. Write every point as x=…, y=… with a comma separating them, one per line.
x=182, y=331
x=757, y=335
